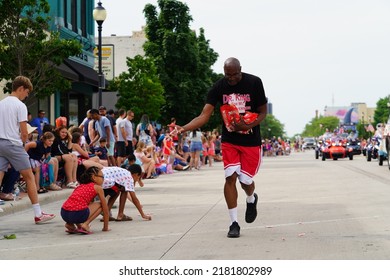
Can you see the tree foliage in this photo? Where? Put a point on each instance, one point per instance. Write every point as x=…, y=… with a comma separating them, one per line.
x=27, y=48
x=140, y=89
x=183, y=60
x=318, y=125
x=381, y=113
x=270, y=127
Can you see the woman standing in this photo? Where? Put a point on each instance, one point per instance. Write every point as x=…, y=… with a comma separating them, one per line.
x=145, y=130
x=195, y=147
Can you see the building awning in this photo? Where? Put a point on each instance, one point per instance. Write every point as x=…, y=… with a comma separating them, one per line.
x=85, y=73
x=68, y=73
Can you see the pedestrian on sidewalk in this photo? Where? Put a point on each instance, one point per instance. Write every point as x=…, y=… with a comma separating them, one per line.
x=241, y=141
x=13, y=136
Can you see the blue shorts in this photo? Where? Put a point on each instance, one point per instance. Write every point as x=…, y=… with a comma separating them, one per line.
x=196, y=147
x=75, y=217
x=186, y=149
x=110, y=151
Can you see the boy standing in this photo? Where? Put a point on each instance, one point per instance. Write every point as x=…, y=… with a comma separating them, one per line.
x=13, y=118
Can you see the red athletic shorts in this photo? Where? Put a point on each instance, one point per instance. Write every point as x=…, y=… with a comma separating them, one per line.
x=245, y=161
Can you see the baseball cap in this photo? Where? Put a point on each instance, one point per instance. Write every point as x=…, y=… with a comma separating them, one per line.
x=102, y=108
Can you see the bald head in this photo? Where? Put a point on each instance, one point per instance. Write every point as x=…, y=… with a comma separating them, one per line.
x=232, y=62
x=232, y=69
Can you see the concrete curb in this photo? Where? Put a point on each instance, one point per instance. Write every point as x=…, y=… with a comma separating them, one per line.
x=12, y=207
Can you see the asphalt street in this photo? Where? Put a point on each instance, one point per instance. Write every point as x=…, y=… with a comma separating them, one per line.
x=308, y=210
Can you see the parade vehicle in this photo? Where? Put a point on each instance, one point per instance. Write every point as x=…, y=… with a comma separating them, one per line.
x=372, y=148
x=386, y=141
x=355, y=145
x=336, y=148
x=308, y=143
x=382, y=152
x=320, y=145
x=353, y=141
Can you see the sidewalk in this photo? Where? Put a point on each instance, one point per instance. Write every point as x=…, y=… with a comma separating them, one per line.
x=24, y=203
x=11, y=207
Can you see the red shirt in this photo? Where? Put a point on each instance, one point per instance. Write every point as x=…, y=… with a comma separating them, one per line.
x=168, y=147
x=171, y=128
x=80, y=198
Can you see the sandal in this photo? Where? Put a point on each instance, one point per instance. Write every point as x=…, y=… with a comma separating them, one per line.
x=42, y=190
x=54, y=187
x=110, y=219
x=124, y=219
x=83, y=231
x=6, y=196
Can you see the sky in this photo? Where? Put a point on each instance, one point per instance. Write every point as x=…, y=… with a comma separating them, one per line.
x=308, y=53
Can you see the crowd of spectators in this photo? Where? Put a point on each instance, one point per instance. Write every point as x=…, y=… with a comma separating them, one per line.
x=108, y=139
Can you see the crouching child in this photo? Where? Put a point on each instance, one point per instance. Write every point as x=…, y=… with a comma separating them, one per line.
x=119, y=182
x=80, y=209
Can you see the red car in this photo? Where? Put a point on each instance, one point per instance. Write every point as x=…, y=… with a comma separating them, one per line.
x=337, y=148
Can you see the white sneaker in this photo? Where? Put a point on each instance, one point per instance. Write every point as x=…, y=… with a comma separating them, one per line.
x=71, y=185
x=44, y=218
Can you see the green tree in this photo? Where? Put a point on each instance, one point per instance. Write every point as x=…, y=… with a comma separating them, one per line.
x=362, y=131
x=27, y=48
x=183, y=60
x=140, y=89
x=381, y=113
x=270, y=127
x=318, y=125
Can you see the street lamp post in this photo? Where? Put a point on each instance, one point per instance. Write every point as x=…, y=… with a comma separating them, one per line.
x=99, y=15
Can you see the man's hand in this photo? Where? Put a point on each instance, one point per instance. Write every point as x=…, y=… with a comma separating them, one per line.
x=178, y=130
x=239, y=125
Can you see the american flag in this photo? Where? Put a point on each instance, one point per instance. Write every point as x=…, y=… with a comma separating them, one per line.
x=370, y=128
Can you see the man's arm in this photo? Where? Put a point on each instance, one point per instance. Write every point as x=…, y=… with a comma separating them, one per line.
x=108, y=133
x=199, y=120
x=124, y=134
x=114, y=130
x=23, y=131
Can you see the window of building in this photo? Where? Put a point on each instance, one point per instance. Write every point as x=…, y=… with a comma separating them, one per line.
x=73, y=13
x=66, y=20
x=84, y=18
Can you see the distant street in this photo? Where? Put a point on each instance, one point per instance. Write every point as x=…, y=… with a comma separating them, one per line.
x=308, y=210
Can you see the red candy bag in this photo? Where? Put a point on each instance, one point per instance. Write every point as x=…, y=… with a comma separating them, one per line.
x=250, y=117
x=229, y=113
